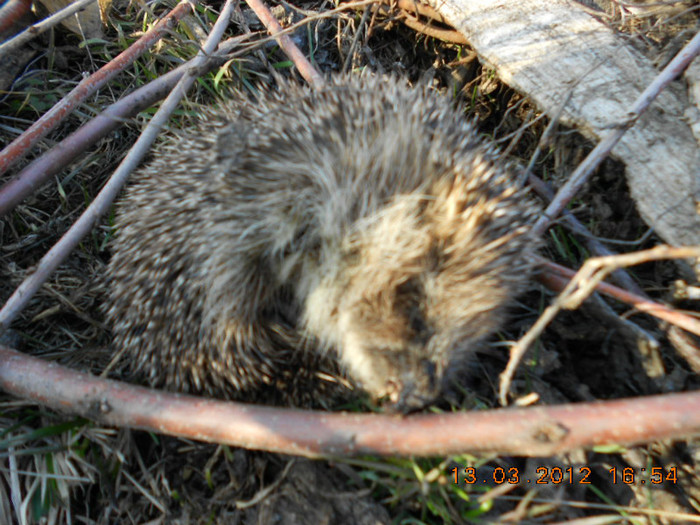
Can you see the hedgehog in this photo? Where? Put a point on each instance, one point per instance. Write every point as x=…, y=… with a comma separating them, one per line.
x=364, y=222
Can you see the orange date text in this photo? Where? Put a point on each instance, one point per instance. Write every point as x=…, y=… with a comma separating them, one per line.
x=513, y=476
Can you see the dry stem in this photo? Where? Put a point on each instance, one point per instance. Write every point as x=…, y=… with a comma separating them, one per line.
x=33, y=31
x=586, y=280
x=308, y=71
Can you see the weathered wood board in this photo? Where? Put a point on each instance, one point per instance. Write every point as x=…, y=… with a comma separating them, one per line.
x=547, y=48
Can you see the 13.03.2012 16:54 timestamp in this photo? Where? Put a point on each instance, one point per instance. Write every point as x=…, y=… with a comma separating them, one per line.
x=563, y=475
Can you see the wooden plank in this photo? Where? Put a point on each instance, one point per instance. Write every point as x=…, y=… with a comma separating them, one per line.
x=545, y=48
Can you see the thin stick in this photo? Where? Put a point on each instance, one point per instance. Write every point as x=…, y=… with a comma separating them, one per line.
x=603, y=148
x=355, y=39
x=305, y=68
x=588, y=278
x=104, y=199
x=54, y=160
x=446, y=35
x=594, y=245
x=596, y=269
x=21, y=145
x=40, y=27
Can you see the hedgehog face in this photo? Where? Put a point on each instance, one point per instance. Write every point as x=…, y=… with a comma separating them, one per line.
x=421, y=284
x=399, y=340
x=388, y=346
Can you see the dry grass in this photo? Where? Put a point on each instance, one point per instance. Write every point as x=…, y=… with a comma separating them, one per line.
x=56, y=469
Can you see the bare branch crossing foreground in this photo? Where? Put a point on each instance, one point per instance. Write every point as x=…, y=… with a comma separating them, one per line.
x=536, y=431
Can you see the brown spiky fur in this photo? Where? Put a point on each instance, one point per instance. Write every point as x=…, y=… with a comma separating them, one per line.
x=365, y=219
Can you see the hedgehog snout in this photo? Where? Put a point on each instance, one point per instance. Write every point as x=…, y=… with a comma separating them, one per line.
x=418, y=388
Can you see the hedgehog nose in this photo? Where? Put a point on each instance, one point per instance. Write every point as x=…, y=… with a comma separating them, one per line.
x=412, y=399
x=417, y=392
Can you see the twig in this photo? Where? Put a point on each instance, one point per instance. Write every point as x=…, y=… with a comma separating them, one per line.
x=588, y=278
x=603, y=148
x=21, y=145
x=596, y=269
x=560, y=277
x=28, y=34
x=356, y=38
x=535, y=431
x=418, y=8
x=305, y=68
x=104, y=199
x=446, y=35
x=594, y=245
x=54, y=160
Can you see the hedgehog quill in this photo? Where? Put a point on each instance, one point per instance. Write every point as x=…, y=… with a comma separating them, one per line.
x=366, y=222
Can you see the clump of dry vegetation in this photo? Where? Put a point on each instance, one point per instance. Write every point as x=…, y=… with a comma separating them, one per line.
x=60, y=469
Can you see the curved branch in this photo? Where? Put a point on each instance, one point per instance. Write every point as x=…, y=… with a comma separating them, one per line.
x=538, y=431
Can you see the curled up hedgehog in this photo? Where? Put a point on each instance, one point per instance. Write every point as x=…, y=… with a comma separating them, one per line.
x=364, y=221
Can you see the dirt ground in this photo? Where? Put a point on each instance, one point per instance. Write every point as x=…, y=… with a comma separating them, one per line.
x=60, y=469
